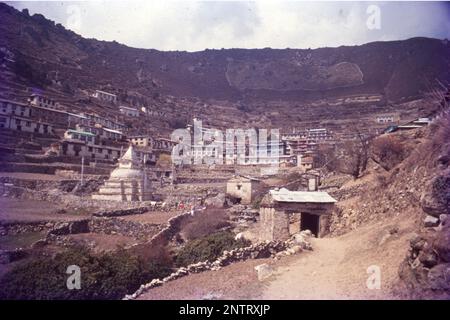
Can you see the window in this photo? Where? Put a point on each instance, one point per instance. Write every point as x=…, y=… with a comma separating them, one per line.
x=28, y=124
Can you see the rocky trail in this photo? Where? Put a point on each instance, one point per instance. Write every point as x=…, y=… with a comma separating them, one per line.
x=337, y=268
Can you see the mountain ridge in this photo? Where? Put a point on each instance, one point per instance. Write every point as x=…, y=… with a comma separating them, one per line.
x=396, y=69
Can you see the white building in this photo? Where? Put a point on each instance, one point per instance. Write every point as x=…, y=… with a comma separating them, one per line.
x=78, y=148
x=105, y=122
x=128, y=111
x=101, y=132
x=8, y=107
x=80, y=135
x=105, y=96
x=25, y=125
x=141, y=141
x=385, y=119
x=38, y=100
x=16, y=116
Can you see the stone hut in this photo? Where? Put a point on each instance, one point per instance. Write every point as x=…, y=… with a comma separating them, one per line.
x=243, y=188
x=314, y=208
x=128, y=182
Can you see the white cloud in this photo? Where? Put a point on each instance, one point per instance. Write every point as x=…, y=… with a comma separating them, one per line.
x=192, y=25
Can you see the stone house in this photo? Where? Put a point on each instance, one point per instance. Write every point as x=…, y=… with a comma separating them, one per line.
x=307, y=163
x=277, y=207
x=243, y=188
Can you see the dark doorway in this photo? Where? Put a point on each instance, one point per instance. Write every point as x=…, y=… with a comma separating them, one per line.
x=310, y=222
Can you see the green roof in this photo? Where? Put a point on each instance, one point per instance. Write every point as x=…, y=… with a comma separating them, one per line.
x=82, y=133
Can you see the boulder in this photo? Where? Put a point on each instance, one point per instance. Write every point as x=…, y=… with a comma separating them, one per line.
x=264, y=271
x=239, y=236
x=436, y=198
x=438, y=277
x=417, y=242
x=430, y=221
x=428, y=258
x=60, y=228
x=442, y=244
x=443, y=218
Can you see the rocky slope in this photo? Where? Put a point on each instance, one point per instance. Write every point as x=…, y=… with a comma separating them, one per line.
x=415, y=190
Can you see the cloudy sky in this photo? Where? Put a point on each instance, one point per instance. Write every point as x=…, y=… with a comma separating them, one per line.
x=197, y=25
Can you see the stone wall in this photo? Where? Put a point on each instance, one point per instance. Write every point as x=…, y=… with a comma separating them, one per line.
x=267, y=249
x=141, y=231
x=274, y=224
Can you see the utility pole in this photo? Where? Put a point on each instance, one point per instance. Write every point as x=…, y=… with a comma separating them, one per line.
x=82, y=171
x=145, y=177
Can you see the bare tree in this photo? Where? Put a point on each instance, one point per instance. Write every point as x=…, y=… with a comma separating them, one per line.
x=387, y=151
x=355, y=155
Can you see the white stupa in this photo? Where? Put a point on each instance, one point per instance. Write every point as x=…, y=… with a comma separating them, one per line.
x=128, y=182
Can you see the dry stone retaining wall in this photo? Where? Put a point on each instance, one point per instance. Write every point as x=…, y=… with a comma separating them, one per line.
x=265, y=249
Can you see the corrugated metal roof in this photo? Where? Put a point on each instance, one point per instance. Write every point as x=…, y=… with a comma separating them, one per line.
x=284, y=195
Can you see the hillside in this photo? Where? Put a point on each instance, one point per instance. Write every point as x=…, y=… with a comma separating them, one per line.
x=397, y=69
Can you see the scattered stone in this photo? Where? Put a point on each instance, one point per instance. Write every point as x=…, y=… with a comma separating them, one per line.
x=417, y=242
x=431, y=221
x=264, y=271
x=211, y=296
x=428, y=258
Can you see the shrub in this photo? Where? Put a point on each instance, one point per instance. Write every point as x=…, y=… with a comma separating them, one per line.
x=104, y=276
x=388, y=151
x=208, y=248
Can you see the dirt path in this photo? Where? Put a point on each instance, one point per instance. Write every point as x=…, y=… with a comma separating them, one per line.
x=312, y=276
x=337, y=268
